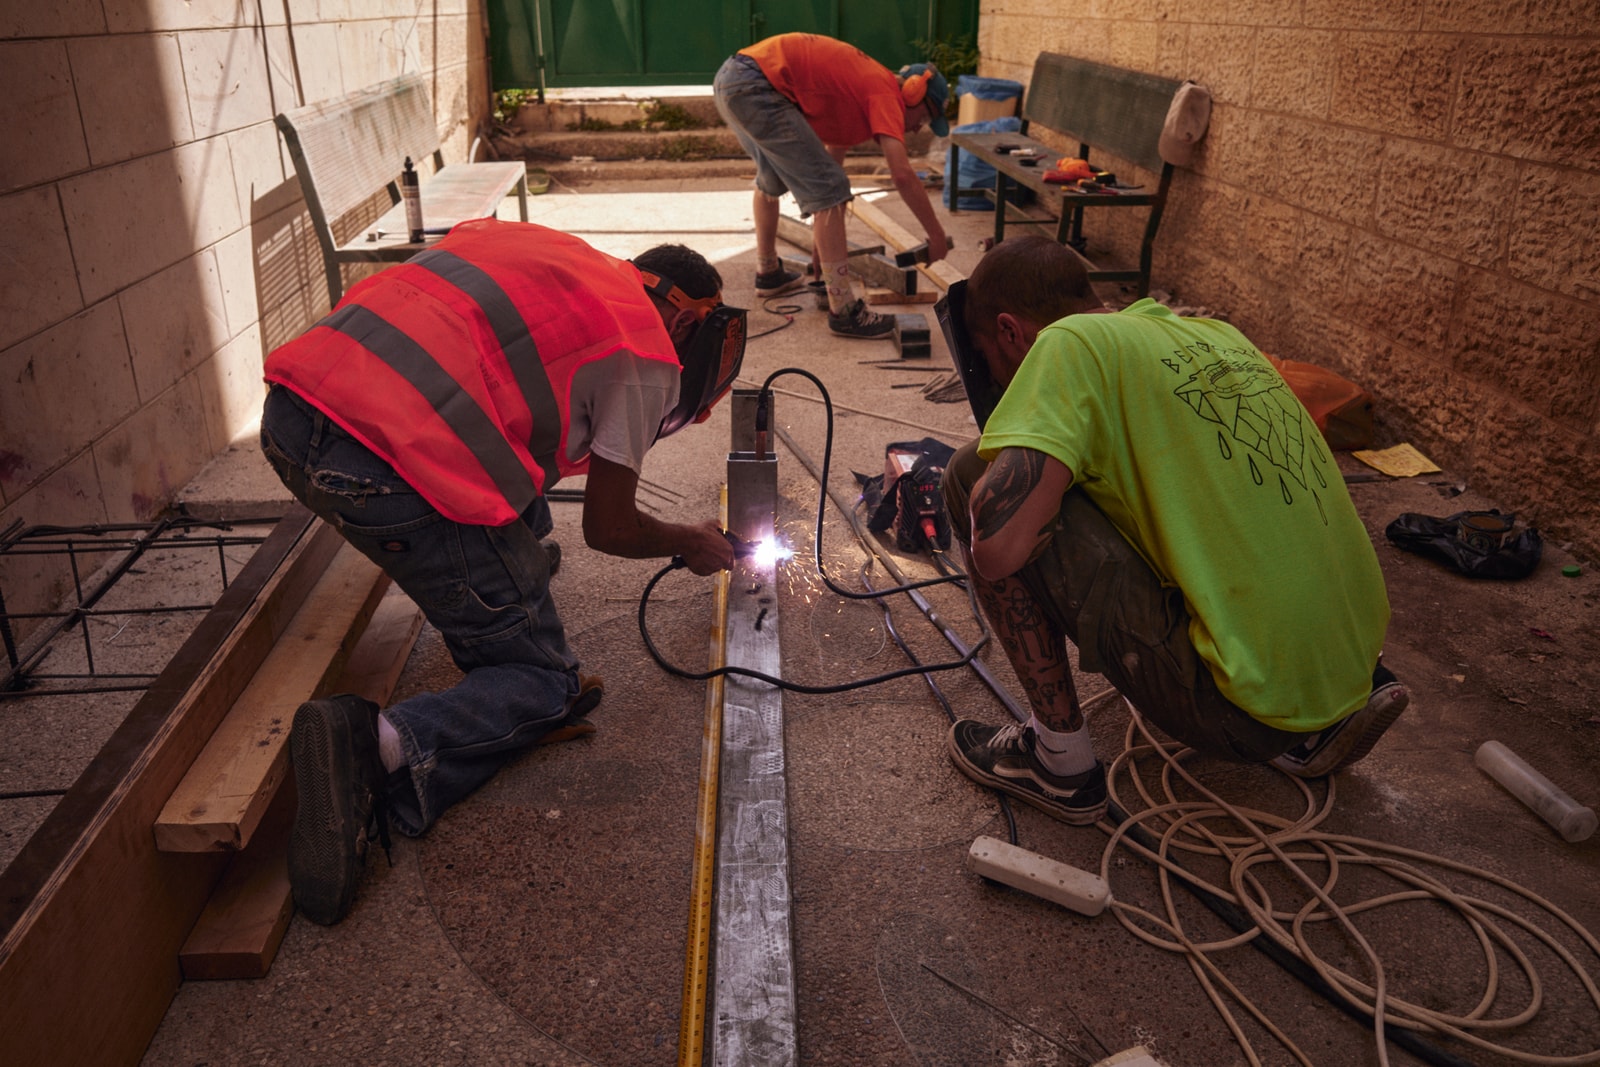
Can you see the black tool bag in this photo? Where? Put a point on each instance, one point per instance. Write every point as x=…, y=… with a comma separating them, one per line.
x=1479, y=544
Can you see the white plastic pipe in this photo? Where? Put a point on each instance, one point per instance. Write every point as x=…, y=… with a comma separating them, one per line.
x=1571, y=820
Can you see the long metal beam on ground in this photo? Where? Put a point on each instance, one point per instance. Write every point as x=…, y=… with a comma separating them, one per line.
x=753, y=1017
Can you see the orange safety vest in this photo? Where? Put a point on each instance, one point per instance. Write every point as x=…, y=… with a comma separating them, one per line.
x=457, y=366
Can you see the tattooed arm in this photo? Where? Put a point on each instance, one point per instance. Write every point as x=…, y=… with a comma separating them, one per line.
x=1014, y=508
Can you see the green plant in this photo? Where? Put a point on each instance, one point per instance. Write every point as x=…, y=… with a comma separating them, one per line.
x=954, y=56
x=507, y=101
x=670, y=117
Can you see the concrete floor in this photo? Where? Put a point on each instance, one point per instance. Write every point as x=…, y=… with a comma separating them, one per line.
x=543, y=920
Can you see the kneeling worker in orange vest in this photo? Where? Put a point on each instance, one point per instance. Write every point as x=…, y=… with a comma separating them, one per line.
x=425, y=418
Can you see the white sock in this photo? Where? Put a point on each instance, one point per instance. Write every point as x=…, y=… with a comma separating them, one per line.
x=840, y=290
x=1063, y=752
x=389, y=750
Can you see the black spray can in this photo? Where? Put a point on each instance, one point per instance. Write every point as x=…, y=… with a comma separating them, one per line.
x=411, y=193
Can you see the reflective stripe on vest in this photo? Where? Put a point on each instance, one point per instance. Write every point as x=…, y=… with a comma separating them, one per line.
x=455, y=406
x=516, y=343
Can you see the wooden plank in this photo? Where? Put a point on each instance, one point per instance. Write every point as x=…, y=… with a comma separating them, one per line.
x=380, y=657
x=798, y=233
x=881, y=272
x=942, y=273
x=894, y=235
x=242, y=927
x=222, y=798
x=889, y=296
x=92, y=914
x=459, y=192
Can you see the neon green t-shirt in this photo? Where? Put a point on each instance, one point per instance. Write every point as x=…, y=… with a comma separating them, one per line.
x=1196, y=449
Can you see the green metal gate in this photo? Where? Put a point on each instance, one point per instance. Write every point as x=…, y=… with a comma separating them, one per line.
x=538, y=44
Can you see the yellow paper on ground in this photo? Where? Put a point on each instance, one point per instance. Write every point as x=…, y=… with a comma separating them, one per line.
x=1401, y=461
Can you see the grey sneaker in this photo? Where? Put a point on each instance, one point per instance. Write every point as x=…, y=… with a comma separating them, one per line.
x=1001, y=757
x=1353, y=736
x=856, y=321
x=779, y=281
x=333, y=748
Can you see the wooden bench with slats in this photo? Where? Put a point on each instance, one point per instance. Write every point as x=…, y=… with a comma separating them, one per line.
x=347, y=150
x=1105, y=109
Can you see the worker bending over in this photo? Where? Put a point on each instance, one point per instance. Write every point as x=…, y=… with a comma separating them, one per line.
x=798, y=102
x=1156, y=494
x=425, y=419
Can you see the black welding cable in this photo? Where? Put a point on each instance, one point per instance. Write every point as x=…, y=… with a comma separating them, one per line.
x=822, y=489
x=793, y=687
x=786, y=312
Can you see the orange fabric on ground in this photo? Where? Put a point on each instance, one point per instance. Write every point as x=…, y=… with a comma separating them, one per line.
x=846, y=95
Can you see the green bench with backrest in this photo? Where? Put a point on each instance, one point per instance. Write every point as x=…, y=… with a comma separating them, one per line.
x=348, y=150
x=1106, y=110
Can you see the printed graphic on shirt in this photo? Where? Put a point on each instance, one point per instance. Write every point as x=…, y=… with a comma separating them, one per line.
x=1254, y=408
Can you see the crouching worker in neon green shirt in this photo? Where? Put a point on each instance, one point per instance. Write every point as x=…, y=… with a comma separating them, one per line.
x=1149, y=488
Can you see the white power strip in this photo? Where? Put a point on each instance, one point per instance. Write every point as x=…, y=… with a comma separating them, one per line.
x=1041, y=876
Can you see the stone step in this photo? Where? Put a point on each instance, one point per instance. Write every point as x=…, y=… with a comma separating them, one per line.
x=583, y=126
x=596, y=113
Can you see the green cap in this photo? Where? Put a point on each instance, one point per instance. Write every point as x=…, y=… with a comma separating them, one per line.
x=1572, y=570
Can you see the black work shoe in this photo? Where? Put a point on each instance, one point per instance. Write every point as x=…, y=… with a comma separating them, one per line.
x=778, y=281
x=574, y=724
x=552, y=551
x=1001, y=757
x=333, y=747
x=856, y=321
x=1353, y=736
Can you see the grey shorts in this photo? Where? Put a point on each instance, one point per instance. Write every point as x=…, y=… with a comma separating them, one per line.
x=1128, y=626
x=790, y=157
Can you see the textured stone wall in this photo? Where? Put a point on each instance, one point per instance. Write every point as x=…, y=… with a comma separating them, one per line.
x=1406, y=191
x=156, y=245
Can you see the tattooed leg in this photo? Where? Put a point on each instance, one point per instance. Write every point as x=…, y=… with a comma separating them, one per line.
x=1036, y=647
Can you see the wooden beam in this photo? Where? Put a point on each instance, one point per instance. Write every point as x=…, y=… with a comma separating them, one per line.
x=798, y=233
x=897, y=237
x=942, y=273
x=894, y=235
x=222, y=798
x=91, y=915
x=242, y=927
x=881, y=272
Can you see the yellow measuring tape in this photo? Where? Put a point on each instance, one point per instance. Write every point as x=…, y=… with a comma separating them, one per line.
x=697, y=955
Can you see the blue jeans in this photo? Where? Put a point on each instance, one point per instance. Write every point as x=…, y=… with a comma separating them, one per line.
x=484, y=588
x=789, y=155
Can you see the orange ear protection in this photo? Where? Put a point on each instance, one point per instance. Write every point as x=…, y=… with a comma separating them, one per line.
x=914, y=89
x=668, y=290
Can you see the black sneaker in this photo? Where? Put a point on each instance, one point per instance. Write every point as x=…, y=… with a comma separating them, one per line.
x=856, y=321
x=778, y=281
x=1001, y=757
x=1353, y=736
x=574, y=724
x=333, y=747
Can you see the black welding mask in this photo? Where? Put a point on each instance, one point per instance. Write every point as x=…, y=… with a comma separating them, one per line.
x=983, y=392
x=711, y=358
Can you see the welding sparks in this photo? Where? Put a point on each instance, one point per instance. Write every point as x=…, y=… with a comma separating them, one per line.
x=769, y=553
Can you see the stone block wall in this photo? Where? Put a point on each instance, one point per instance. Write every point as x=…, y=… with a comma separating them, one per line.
x=156, y=244
x=1407, y=192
